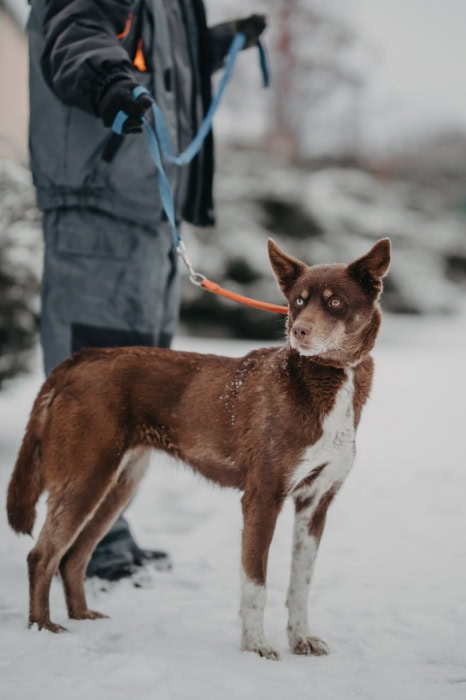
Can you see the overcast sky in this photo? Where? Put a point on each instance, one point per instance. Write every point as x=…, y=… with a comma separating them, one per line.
x=417, y=78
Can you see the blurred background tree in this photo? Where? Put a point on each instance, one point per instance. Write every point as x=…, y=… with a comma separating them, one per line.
x=318, y=81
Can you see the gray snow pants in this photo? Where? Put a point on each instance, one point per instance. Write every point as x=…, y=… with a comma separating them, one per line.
x=107, y=282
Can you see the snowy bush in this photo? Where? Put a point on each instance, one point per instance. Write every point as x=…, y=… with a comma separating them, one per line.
x=331, y=215
x=19, y=269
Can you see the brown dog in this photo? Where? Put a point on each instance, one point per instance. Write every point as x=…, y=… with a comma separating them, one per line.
x=275, y=423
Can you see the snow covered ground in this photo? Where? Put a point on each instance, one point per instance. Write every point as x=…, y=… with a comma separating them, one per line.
x=390, y=583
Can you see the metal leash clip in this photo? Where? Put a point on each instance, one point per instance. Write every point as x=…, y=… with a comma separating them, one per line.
x=209, y=286
x=195, y=277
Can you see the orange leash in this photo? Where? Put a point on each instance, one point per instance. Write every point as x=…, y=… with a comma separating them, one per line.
x=201, y=281
x=240, y=299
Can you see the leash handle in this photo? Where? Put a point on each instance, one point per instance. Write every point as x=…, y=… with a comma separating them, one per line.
x=160, y=125
x=195, y=146
x=159, y=140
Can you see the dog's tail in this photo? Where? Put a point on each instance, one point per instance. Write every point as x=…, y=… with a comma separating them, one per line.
x=27, y=481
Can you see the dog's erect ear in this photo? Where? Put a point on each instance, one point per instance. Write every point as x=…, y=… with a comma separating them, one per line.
x=370, y=268
x=287, y=269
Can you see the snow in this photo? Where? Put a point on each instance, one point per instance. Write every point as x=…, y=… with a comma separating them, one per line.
x=388, y=594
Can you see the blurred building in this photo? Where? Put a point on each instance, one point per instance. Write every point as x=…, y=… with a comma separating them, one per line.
x=14, y=106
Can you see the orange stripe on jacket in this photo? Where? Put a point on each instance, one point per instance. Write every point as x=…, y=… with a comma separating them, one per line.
x=139, y=60
x=129, y=22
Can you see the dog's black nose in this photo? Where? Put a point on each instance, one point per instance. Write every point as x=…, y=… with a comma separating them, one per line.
x=301, y=331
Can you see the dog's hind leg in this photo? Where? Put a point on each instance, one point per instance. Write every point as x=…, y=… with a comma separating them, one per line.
x=68, y=512
x=260, y=512
x=74, y=563
x=310, y=516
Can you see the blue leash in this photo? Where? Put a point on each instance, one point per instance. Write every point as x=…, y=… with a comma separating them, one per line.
x=159, y=142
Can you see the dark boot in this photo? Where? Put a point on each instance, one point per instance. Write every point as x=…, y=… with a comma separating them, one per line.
x=118, y=556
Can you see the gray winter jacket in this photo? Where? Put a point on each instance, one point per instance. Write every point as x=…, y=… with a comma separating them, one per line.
x=74, y=54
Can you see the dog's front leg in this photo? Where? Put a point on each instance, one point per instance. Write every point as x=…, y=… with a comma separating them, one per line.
x=260, y=513
x=310, y=515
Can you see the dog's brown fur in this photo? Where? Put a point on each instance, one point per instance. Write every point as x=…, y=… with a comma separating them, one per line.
x=243, y=423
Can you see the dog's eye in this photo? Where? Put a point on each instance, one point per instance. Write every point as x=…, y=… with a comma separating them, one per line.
x=335, y=303
x=299, y=301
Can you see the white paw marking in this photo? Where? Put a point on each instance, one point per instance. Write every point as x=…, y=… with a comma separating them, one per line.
x=309, y=646
x=264, y=650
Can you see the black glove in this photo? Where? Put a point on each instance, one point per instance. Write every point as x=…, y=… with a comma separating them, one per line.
x=252, y=26
x=119, y=97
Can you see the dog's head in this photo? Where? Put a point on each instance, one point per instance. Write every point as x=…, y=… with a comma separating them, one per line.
x=334, y=315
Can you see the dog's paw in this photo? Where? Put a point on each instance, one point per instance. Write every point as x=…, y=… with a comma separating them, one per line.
x=264, y=650
x=309, y=646
x=48, y=625
x=87, y=615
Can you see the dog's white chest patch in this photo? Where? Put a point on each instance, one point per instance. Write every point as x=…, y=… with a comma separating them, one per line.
x=335, y=448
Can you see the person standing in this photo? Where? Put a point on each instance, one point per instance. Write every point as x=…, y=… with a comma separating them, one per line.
x=110, y=272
